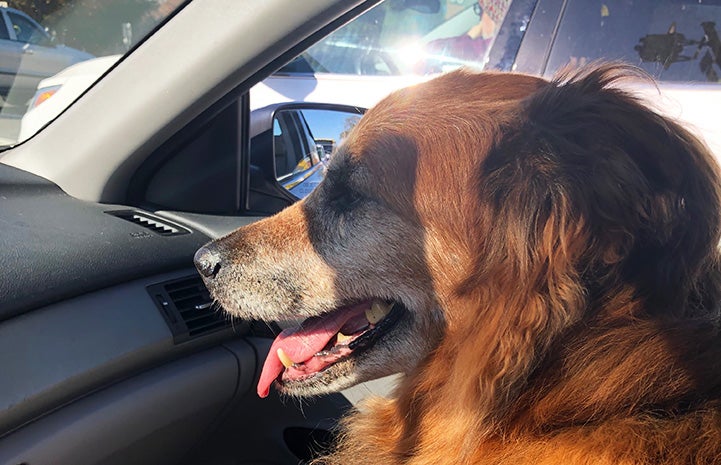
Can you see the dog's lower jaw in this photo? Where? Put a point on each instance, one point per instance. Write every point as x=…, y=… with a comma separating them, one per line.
x=337, y=377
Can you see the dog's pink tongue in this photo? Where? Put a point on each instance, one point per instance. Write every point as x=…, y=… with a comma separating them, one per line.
x=300, y=344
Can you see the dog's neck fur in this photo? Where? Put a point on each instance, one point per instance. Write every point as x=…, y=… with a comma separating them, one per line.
x=437, y=420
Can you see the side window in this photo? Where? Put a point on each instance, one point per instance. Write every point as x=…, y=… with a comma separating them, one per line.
x=26, y=30
x=3, y=29
x=672, y=40
x=401, y=37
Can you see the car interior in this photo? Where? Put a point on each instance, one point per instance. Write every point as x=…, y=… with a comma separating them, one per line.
x=111, y=350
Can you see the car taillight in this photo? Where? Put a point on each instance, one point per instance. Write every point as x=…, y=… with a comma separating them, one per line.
x=43, y=94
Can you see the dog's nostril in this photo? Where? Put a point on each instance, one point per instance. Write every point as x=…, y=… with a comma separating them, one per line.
x=207, y=262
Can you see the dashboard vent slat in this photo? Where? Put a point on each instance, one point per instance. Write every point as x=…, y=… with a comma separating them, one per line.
x=150, y=222
x=208, y=327
x=188, y=308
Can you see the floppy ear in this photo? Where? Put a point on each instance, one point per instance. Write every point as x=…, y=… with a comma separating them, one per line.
x=648, y=190
x=587, y=196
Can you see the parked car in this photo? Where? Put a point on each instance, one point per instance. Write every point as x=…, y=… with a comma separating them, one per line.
x=111, y=351
x=27, y=55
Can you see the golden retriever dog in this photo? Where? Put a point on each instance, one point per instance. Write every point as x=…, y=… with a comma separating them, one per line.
x=540, y=259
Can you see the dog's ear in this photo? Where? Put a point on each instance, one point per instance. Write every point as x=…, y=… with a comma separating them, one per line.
x=587, y=193
x=647, y=190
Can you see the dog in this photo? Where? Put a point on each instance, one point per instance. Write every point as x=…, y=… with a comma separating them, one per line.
x=540, y=259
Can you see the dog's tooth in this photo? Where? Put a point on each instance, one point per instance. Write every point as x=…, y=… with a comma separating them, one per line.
x=377, y=311
x=342, y=338
x=284, y=359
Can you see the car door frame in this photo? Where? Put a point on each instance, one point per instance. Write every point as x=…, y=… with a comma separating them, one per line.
x=535, y=49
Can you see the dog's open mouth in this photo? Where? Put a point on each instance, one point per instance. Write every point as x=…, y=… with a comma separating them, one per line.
x=301, y=353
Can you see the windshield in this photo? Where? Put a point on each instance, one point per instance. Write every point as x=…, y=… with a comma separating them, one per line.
x=51, y=51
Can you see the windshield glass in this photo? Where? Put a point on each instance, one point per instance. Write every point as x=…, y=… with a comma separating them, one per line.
x=51, y=51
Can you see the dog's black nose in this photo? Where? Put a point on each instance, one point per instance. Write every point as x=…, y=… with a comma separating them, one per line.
x=207, y=261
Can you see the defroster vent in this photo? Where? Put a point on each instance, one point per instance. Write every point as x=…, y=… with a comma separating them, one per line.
x=150, y=222
x=188, y=308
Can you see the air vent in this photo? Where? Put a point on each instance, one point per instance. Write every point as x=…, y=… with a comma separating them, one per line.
x=188, y=308
x=152, y=223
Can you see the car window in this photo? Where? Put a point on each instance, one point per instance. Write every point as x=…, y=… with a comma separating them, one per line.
x=401, y=37
x=81, y=39
x=25, y=29
x=672, y=40
x=4, y=35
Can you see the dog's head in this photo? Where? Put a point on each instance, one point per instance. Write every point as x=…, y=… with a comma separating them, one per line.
x=475, y=217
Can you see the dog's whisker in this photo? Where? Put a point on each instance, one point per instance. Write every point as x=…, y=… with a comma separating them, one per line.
x=300, y=405
x=269, y=325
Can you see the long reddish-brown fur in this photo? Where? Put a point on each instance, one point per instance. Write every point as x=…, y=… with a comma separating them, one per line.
x=577, y=263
